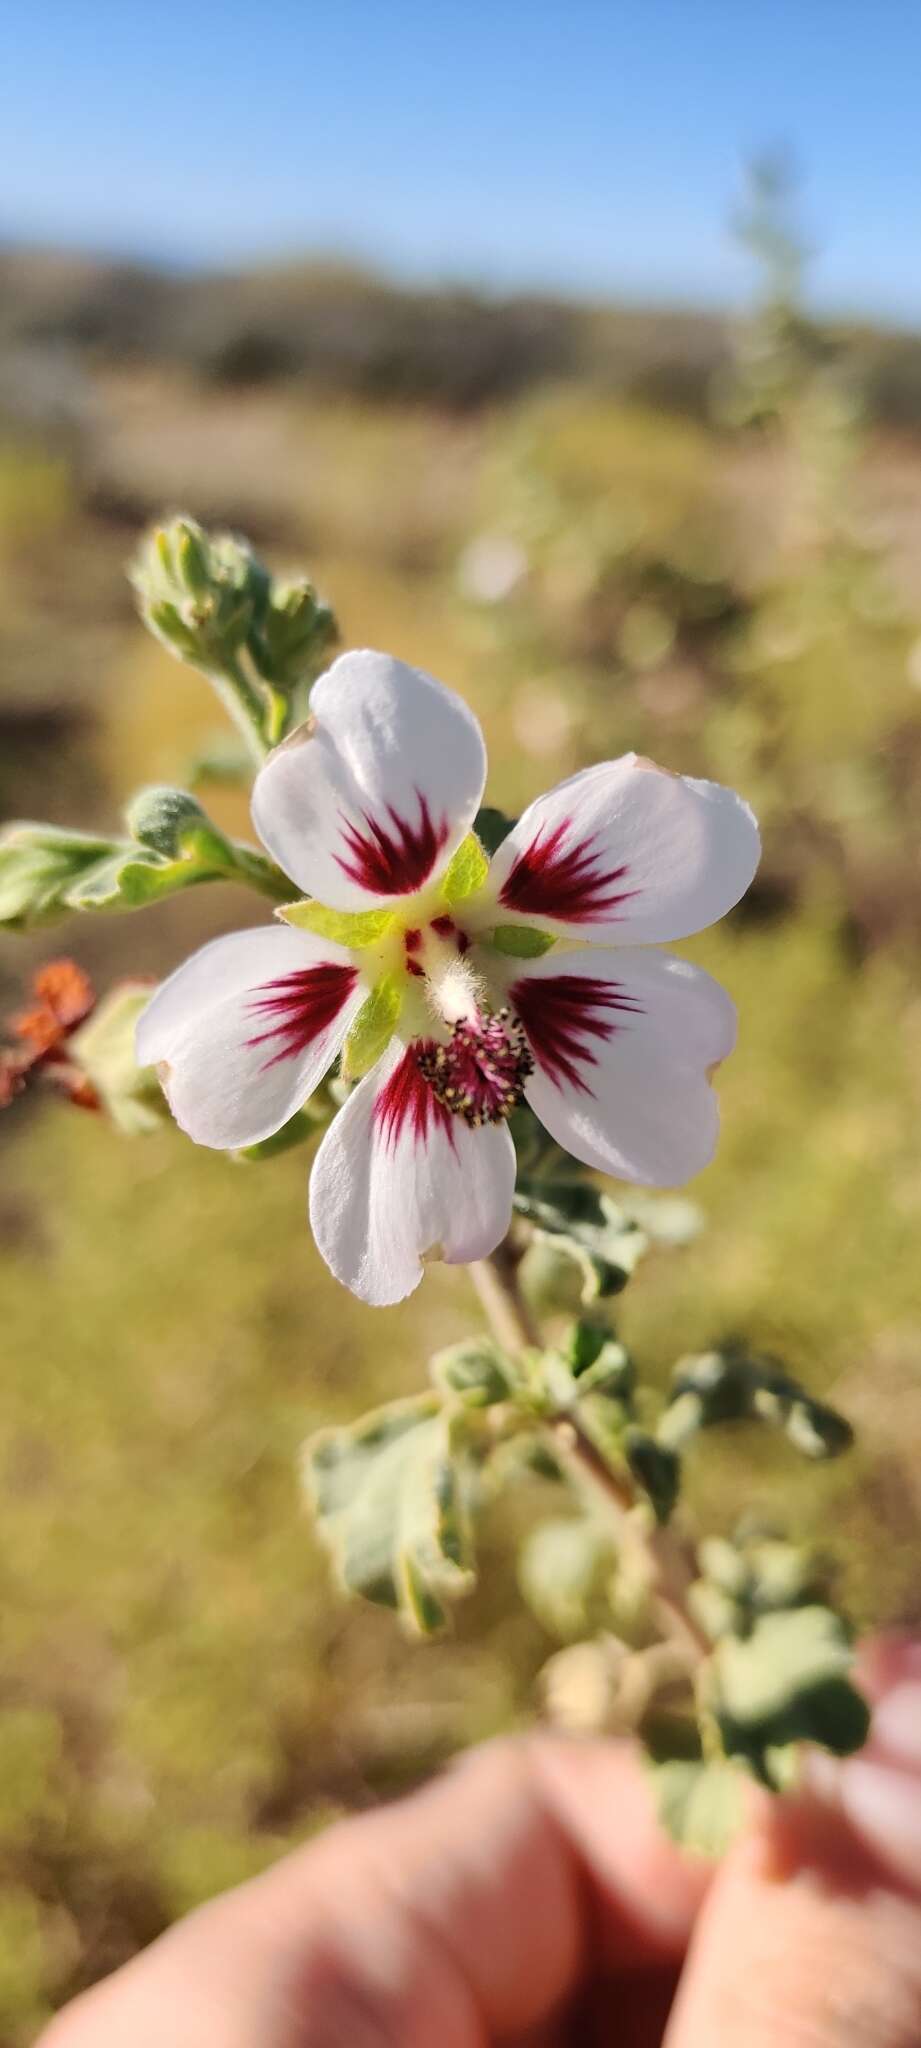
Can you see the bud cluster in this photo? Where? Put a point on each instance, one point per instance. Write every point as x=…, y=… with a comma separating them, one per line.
x=212, y=603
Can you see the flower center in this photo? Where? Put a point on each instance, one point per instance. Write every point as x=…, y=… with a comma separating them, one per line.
x=480, y=1074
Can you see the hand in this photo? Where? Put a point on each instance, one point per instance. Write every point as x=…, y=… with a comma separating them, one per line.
x=527, y=1898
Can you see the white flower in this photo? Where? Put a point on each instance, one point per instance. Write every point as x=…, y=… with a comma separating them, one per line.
x=438, y=970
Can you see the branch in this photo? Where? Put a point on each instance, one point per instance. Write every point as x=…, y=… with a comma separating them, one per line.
x=667, y=1564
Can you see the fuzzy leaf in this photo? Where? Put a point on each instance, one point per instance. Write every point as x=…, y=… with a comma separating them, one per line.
x=700, y=1805
x=466, y=871
x=45, y=872
x=38, y=865
x=787, y=1682
x=355, y=928
x=588, y=1228
x=656, y=1469
x=521, y=941
x=389, y=1500
x=477, y=1372
x=597, y=1360
x=729, y=1386
x=564, y=1567
x=373, y=1028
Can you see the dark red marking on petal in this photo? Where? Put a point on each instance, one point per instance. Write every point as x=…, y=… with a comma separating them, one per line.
x=412, y=940
x=407, y=1102
x=301, y=1005
x=551, y=879
x=413, y=967
x=444, y=926
x=394, y=859
x=562, y=1014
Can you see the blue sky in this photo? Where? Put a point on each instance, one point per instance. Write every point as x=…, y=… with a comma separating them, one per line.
x=588, y=144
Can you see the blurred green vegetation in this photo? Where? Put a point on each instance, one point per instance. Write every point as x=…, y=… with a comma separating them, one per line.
x=182, y=1692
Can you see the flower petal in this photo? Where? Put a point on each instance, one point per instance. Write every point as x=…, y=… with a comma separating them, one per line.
x=623, y=1045
x=627, y=853
x=246, y=1029
x=368, y=800
x=398, y=1179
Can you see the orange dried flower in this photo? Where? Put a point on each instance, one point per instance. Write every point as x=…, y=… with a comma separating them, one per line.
x=63, y=999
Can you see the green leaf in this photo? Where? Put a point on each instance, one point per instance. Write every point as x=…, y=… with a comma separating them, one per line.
x=748, y=1577
x=520, y=941
x=296, y=1131
x=466, y=871
x=564, y=1567
x=588, y=1228
x=46, y=872
x=597, y=1360
x=491, y=827
x=700, y=1805
x=787, y=1682
x=373, y=1028
x=730, y=1386
x=354, y=928
x=655, y=1469
x=39, y=864
x=388, y=1493
x=478, y=1372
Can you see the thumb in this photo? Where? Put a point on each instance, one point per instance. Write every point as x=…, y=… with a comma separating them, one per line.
x=812, y=1931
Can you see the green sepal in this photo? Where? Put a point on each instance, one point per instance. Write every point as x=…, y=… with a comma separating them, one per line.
x=520, y=941
x=373, y=1028
x=491, y=827
x=353, y=928
x=701, y=1805
x=389, y=1497
x=476, y=1371
x=466, y=871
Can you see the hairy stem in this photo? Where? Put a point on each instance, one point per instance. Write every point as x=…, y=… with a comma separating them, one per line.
x=667, y=1564
x=243, y=703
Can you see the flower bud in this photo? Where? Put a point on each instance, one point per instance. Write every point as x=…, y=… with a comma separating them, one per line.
x=156, y=818
x=293, y=635
x=199, y=593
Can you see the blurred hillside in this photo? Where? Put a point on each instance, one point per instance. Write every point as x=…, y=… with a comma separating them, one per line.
x=342, y=329
x=182, y=1692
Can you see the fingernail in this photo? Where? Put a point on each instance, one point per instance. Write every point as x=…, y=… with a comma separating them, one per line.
x=884, y=1804
x=897, y=1723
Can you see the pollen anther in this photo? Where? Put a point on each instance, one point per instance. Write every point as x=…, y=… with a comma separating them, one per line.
x=480, y=1074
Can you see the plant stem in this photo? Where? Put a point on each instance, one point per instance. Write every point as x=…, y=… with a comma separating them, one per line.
x=666, y=1563
x=242, y=702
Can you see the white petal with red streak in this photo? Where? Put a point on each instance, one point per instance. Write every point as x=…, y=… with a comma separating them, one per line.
x=646, y=1111
x=199, y=1028
x=637, y=856
x=382, y=1201
x=385, y=747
